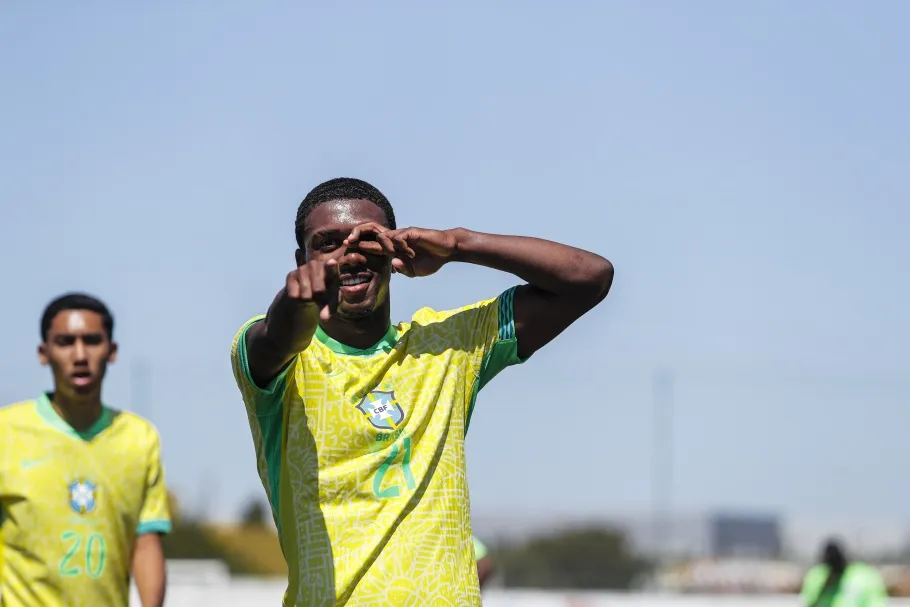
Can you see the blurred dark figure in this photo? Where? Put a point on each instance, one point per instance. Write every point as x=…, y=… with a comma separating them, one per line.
x=485, y=566
x=838, y=582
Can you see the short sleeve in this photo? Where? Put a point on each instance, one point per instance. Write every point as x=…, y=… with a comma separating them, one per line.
x=499, y=328
x=258, y=401
x=154, y=516
x=495, y=327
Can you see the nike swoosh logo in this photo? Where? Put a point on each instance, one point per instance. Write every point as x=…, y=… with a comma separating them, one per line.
x=28, y=464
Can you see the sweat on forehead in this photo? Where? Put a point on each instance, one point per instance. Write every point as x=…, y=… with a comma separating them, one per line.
x=336, y=190
x=343, y=214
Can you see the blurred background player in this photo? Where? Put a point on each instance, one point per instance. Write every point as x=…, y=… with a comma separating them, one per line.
x=837, y=582
x=485, y=566
x=82, y=493
x=358, y=423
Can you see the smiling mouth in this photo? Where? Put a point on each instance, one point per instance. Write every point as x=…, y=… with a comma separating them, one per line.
x=355, y=280
x=355, y=284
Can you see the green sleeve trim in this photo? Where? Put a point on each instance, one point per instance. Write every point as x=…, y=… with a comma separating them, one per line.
x=272, y=428
x=270, y=418
x=503, y=353
x=156, y=526
x=268, y=398
x=507, y=315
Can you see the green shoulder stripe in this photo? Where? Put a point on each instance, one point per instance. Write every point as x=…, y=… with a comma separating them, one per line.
x=276, y=386
x=507, y=315
x=503, y=353
x=269, y=410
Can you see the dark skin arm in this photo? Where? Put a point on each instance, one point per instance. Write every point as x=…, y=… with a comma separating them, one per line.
x=292, y=319
x=563, y=282
x=149, y=570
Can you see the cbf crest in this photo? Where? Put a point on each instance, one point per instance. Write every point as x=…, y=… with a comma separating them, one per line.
x=82, y=496
x=381, y=408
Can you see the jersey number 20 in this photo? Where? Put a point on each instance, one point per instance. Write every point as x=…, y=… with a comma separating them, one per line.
x=95, y=553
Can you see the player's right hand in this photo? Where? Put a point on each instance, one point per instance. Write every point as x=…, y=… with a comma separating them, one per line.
x=315, y=282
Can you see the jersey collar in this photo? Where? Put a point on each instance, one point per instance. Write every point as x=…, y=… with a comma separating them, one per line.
x=49, y=414
x=383, y=345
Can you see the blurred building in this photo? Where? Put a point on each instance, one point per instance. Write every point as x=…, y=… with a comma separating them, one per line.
x=745, y=536
x=715, y=535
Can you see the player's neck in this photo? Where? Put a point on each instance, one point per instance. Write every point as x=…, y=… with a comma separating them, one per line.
x=359, y=333
x=80, y=414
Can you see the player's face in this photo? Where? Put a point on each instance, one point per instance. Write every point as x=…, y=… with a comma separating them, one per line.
x=78, y=350
x=364, y=284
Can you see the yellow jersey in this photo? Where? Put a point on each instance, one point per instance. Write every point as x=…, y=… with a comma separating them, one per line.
x=480, y=549
x=361, y=454
x=72, y=504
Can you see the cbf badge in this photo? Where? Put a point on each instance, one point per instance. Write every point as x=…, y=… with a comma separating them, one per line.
x=381, y=408
x=82, y=496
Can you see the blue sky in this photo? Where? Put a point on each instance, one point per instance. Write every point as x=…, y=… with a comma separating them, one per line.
x=744, y=165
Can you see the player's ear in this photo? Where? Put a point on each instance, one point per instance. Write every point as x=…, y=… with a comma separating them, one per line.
x=300, y=257
x=42, y=354
x=112, y=357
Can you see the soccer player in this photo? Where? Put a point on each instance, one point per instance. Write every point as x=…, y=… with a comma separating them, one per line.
x=82, y=493
x=359, y=424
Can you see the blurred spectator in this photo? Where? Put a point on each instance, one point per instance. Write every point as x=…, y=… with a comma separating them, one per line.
x=838, y=582
x=484, y=562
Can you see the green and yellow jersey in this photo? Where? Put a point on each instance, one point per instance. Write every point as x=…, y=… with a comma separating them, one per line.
x=361, y=454
x=72, y=504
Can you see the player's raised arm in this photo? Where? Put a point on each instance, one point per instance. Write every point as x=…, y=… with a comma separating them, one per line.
x=563, y=282
x=336, y=283
x=292, y=318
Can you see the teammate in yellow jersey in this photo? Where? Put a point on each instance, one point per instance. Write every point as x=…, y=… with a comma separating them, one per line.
x=359, y=423
x=485, y=565
x=82, y=493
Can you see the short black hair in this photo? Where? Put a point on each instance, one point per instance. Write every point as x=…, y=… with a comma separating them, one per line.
x=833, y=554
x=76, y=301
x=340, y=188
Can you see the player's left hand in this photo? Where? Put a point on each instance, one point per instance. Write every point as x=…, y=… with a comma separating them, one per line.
x=414, y=251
